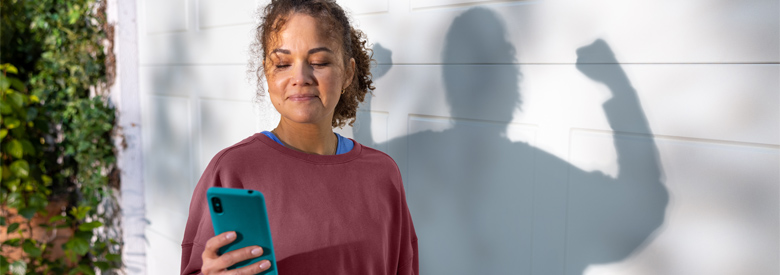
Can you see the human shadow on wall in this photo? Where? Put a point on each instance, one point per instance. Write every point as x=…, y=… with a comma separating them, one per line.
x=483, y=204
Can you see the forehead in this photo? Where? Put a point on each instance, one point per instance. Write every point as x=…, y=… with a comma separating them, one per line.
x=303, y=32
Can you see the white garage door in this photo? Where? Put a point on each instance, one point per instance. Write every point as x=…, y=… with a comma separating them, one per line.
x=534, y=137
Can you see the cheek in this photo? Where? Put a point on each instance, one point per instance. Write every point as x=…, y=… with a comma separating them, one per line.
x=331, y=79
x=275, y=82
x=274, y=90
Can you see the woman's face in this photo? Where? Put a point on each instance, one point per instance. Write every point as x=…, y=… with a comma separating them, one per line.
x=305, y=72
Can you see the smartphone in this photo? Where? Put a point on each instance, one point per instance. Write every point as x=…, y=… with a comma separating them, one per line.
x=243, y=211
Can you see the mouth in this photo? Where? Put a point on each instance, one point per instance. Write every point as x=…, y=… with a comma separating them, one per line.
x=302, y=97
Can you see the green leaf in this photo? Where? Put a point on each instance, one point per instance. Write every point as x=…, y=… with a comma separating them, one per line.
x=87, y=235
x=56, y=219
x=14, y=148
x=46, y=180
x=85, y=269
x=6, y=172
x=2, y=221
x=77, y=245
x=4, y=83
x=102, y=265
x=5, y=108
x=80, y=212
x=20, y=168
x=17, y=99
x=8, y=68
x=28, y=147
x=28, y=212
x=4, y=265
x=19, y=267
x=16, y=84
x=114, y=257
x=12, y=228
x=73, y=17
x=38, y=200
x=90, y=225
x=15, y=242
x=11, y=122
x=3, y=133
x=15, y=199
x=31, y=249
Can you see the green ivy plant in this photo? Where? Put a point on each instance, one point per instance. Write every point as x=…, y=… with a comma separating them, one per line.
x=25, y=187
x=56, y=131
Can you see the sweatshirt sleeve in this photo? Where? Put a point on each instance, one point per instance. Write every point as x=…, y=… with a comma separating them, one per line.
x=198, y=229
x=408, y=258
x=411, y=264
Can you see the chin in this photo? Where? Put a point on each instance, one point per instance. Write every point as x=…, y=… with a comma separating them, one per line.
x=304, y=118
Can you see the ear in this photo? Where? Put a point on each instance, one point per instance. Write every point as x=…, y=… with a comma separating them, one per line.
x=350, y=73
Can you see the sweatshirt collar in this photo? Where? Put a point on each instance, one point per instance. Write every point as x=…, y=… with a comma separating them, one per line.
x=313, y=158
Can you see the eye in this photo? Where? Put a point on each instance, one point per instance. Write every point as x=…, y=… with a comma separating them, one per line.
x=320, y=65
x=279, y=67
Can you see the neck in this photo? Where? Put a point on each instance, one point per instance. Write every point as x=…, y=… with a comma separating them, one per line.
x=307, y=138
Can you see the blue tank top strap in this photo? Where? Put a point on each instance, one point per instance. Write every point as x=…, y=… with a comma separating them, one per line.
x=345, y=145
x=272, y=136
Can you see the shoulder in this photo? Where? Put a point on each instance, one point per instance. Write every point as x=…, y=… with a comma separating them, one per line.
x=241, y=151
x=374, y=154
x=379, y=161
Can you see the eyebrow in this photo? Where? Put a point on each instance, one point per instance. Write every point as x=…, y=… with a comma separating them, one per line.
x=320, y=49
x=280, y=51
x=312, y=51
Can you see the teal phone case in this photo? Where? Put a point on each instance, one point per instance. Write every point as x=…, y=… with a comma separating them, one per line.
x=243, y=211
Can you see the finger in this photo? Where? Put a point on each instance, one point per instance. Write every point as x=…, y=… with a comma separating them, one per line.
x=253, y=269
x=238, y=255
x=213, y=244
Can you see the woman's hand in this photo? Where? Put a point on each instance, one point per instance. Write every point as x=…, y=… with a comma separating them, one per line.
x=214, y=264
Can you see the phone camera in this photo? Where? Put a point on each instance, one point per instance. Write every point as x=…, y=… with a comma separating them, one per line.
x=217, y=204
x=250, y=191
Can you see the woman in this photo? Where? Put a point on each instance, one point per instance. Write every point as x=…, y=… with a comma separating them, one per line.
x=334, y=206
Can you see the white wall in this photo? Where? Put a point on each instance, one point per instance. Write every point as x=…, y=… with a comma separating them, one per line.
x=535, y=137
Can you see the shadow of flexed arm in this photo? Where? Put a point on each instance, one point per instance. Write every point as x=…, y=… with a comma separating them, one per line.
x=507, y=207
x=609, y=219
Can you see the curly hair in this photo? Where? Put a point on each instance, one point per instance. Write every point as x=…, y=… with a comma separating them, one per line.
x=334, y=21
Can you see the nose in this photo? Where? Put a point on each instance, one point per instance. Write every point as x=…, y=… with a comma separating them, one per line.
x=303, y=75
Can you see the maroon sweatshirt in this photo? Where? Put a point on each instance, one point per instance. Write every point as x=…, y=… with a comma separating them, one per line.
x=342, y=214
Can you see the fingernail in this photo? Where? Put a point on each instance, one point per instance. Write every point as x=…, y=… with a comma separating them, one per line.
x=256, y=251
x=265, y=265
x=230, y=235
